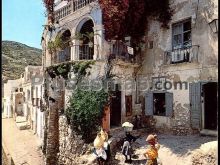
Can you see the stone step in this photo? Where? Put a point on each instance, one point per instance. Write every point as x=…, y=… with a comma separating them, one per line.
x=23, y=126
x=20, y=119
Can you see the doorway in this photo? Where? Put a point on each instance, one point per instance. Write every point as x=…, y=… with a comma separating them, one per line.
x=209, y=93
x=115, y=109
x=159, y=104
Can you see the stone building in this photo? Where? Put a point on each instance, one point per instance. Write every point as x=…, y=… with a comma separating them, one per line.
x=32, y=88
x=9, y=88
x=185, y=52
x=23, y=99
x=183, y=62
x=172, y=79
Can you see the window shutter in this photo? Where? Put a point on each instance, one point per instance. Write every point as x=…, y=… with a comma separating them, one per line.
x=169, y=103
x=149, y=103
x=195, y=104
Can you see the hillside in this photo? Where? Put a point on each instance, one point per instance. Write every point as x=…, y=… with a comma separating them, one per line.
x=15, y=57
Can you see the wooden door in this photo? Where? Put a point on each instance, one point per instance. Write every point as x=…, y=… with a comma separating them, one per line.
x=106, y=119
x=115, y=110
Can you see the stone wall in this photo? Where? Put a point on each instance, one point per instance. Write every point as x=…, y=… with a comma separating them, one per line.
x=71, y=146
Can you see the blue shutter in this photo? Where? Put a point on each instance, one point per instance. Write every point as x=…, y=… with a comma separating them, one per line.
x=195, y=104
x=169, y=104
x=149, y=103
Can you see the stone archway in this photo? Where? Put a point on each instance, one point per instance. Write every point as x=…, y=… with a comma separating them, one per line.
x=85, y=44
x=64, y=54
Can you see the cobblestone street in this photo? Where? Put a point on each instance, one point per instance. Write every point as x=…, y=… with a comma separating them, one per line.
x=23, y=145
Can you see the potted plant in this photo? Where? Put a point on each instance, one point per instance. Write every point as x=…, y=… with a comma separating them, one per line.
x=90, y=36
x=79, y=37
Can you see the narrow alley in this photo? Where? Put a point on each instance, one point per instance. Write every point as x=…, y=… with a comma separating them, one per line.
x=22, y=145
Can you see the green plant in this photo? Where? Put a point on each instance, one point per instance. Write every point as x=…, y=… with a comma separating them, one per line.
x=85, y=112
x=79, y=69
x=78, y=36
x=51, y=46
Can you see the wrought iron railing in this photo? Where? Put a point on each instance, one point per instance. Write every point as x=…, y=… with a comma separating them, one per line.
x=63, y=55
x=71, y=7
x=187, y=54
x=80, y=52
x=84, y=52
x=119, y=50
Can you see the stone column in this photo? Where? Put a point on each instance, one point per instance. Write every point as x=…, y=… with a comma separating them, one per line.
x=98, y=41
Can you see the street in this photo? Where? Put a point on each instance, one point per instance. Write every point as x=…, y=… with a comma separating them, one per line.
x=22, y=145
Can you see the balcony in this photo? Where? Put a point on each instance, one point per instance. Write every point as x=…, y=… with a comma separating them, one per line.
x=71, y=7
x=182, y=55
x=79, y=52
x=85, y=51
x=63, y=55
x=125, y=55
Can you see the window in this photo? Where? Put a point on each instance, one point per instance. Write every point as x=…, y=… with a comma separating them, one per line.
x=159, y=103
x=182, y=34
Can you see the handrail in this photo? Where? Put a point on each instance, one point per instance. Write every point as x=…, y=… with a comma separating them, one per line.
x=71, y=7
x=119, y=50
x=179, y=55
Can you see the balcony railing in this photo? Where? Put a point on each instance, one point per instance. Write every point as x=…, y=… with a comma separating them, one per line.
x=64, y=11
x=63, y=55
x=120, y=51
x=80, y=52
x=71, y=7
x=187, y=54
x=85, y=51
x=78, y=4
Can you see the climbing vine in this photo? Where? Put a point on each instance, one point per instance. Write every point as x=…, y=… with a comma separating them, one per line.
x=129, y=17
x=79, y=68
x=49, y=4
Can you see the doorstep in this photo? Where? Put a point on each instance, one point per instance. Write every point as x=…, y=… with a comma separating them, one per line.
x=209, y=132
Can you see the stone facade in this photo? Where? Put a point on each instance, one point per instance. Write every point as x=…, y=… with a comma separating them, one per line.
x=203, y=70
x=160, y=61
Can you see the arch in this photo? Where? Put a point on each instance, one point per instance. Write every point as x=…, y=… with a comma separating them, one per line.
x=65, y=53
x=82, y=21
x=86, y=48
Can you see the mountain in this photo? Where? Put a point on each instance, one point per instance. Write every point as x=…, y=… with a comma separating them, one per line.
x=15, y=57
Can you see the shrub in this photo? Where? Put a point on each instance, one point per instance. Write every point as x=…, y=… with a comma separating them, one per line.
x=85, y=112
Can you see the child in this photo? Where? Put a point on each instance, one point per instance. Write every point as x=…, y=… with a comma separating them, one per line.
x=127, y=150
x=152, y=151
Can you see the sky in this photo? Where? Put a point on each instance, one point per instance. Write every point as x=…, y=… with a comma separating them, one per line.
x=22, y=21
